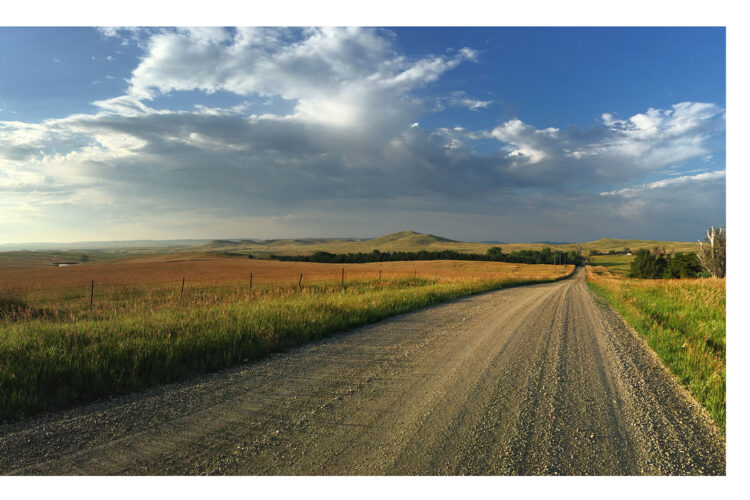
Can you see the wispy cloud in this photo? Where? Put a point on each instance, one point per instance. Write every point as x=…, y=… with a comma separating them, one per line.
x=671, y=182
x=459, y=98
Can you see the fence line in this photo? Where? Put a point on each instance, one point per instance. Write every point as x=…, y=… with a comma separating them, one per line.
x=162, y=289
x=95, y=289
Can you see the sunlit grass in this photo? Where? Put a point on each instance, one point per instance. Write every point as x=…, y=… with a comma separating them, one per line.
x=684, y=321
x=57, y=350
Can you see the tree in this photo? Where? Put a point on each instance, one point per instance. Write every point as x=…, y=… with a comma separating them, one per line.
x=84, y=258
x=713, y=252
x=682, y=265
x=494, y=252
x=644, y=265
x=661, y=266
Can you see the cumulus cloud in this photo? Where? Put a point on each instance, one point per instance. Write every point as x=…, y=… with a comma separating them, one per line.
x=528, y=144
x=349, y=140
x=617, y=150
x=347, y=77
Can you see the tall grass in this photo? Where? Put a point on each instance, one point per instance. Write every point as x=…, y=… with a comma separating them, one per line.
x=684, y=322
x=54, y=357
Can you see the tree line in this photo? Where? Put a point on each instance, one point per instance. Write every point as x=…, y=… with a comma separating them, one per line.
x=494, y=254
x=680, y=265
x=711, y=260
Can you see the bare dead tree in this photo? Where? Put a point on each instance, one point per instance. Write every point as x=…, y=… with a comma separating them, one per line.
x=713, y=252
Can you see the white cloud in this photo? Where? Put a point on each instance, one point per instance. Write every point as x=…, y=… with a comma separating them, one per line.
x=125, y=105
x=337, y=76
x=351, y=137
x=618, y=149
x=670, y=182
x=529, y=144
x=459, y=98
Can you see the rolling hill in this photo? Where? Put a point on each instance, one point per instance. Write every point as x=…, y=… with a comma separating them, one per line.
x=414, y=241
x=402, y=241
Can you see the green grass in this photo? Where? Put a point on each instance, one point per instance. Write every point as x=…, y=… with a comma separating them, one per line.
x=52, y=359
x=617, y=264
x=684, y=322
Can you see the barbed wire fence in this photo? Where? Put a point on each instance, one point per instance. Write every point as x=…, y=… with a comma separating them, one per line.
x=103, y=294
x=93, y=292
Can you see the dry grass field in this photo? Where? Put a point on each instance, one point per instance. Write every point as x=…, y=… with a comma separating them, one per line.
x=684, y=321
x=208, y=267
x=57, y=348
x=46, y=285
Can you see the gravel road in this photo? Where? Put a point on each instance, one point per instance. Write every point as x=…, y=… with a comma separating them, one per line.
x=531, y=380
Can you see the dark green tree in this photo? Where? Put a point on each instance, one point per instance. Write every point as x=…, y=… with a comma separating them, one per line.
x=643, y=265
x=683, y=265
x=494, y=252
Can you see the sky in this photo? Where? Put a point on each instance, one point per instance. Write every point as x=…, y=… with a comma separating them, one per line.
x=508, y=134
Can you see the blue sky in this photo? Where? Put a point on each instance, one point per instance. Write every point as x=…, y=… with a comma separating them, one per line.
x=513, y=134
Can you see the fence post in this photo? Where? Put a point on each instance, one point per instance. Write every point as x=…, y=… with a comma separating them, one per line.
x=91, y=299
x=380, y=274
x=342, y=276
x=300, y=281
x=183, y=287
x=415, y=274
x=251, y=281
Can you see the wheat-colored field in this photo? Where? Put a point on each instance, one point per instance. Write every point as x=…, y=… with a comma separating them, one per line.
x=59, y=347
x=201, y=269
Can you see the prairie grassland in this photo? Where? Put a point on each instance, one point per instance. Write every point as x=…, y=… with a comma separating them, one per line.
x=617, y=264
x=684, y=322
x=56, y=350
x=410, y=241
x=208, y=268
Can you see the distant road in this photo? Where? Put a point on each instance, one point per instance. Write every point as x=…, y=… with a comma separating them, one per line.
x=528, y=380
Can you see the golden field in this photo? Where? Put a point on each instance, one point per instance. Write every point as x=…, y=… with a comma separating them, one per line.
x=57, y=350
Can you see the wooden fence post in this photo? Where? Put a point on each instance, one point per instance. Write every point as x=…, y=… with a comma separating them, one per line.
x=300, y=281
x=380, y=274
x=342, y=276
x=91, y=299
x=251, y=281
x=183, y=287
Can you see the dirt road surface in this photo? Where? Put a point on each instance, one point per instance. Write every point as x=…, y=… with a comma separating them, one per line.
x=532, y=380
